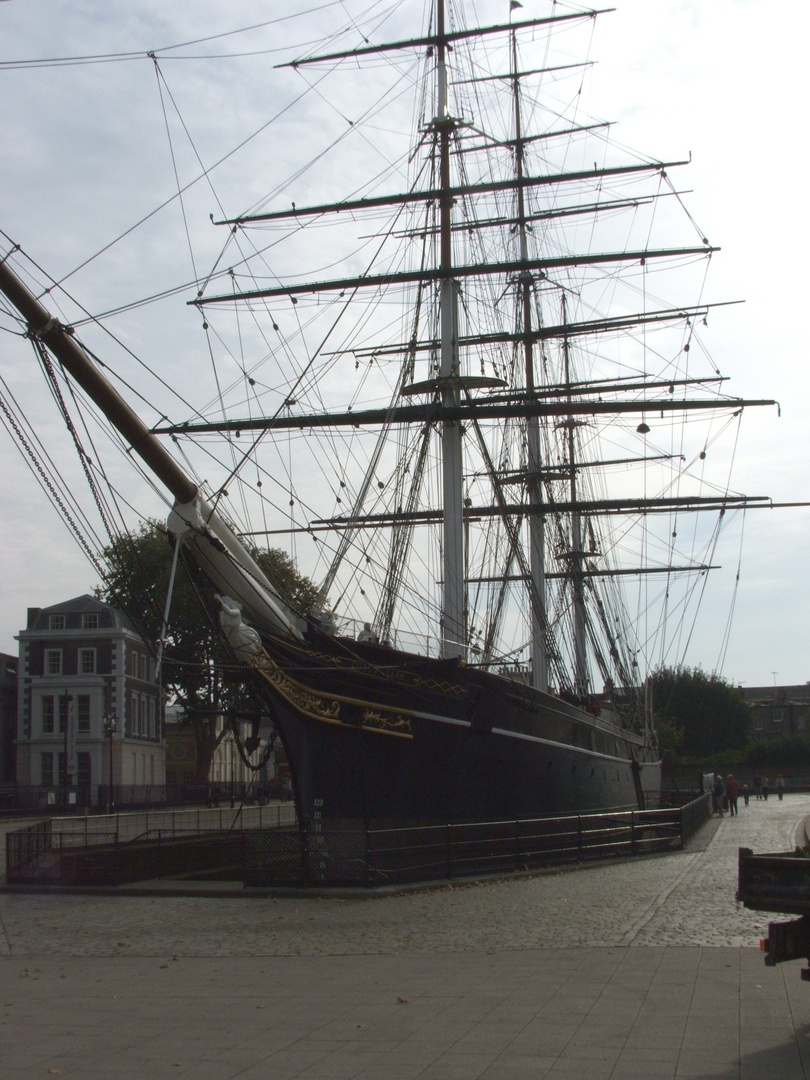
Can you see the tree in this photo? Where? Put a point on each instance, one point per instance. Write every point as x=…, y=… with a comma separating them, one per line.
x=711, y=713
x=198, y=669
x=670, y=739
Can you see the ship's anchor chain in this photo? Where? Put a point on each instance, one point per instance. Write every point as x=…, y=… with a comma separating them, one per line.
x=241, y=745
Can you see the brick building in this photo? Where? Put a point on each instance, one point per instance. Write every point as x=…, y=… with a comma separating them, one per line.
x=779, y=710
x=90, y=713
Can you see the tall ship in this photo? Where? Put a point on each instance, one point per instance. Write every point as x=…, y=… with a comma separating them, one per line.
x=468, y=394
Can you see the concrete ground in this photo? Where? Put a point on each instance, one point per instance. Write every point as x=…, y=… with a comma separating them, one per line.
x=636, y=969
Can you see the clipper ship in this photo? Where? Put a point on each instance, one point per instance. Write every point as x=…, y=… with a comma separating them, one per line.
x=471, y=420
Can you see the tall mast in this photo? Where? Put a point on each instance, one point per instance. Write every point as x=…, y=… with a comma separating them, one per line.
x=537, y=556
x=454, y=630
x=575, y=555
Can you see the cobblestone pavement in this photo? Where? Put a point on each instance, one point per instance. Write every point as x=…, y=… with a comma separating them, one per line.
x=641, y=969
x=677, y=899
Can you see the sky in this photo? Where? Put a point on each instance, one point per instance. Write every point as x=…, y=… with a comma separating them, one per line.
x=84, y=159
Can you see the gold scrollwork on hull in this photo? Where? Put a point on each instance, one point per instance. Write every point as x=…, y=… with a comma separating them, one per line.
x=391, y=724
x=327, y=709
x=350, y=662
x=301, y=697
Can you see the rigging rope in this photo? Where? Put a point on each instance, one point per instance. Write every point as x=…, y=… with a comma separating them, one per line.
x=45, y=480
x=51, y=375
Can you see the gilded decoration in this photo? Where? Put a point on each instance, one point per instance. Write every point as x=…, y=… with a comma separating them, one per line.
x=390, y=673
x=327, y=709
x=393, y=723
x=303, y=699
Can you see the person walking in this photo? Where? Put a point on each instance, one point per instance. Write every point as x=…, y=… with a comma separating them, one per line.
x=780, y=786
x=718, y=794
x=764, y=785
x=758, y=786
x=732, y=794
x=746, y=791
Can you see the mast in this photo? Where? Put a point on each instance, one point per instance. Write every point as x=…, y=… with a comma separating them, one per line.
x=450, y=402
x=454, y=629
x=537, y=552
x=576, y=553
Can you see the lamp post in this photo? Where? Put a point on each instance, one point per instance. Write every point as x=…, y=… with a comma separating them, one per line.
x=109, y=731
x=64, y=713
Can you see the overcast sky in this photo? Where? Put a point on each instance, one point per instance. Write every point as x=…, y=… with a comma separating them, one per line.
x=84, y=158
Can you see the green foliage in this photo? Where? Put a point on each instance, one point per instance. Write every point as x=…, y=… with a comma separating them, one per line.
x=711, y=714
x=788, y=753
x=196, y=661
x=670, y=738
x=297, y=591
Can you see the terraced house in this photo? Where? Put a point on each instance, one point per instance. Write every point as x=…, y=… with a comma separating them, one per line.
x=779, y=710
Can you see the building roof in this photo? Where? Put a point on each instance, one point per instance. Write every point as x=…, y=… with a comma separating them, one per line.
x=109, y=618
x=776, y=695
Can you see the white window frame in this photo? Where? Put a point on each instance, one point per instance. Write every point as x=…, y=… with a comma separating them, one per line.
x=90, y=620
x=53, y=661
x=88, y=662
x=56, y=622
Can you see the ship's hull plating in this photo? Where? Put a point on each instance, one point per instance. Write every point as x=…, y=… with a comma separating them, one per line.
x=378, y=737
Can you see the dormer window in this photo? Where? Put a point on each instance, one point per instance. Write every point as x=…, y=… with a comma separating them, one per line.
x=56, y=622
x=90, y=620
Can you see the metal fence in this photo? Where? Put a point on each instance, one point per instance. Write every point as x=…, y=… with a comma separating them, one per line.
x=21, y=798
x=112, y=849
x=198, y=819
x=694, y=814
x=216, y=843
x=106, y=859
x=378, y=857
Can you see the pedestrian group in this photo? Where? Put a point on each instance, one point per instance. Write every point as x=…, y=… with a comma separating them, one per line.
x=726, y=793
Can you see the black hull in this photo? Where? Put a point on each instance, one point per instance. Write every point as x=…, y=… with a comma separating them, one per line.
x=378, y=737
